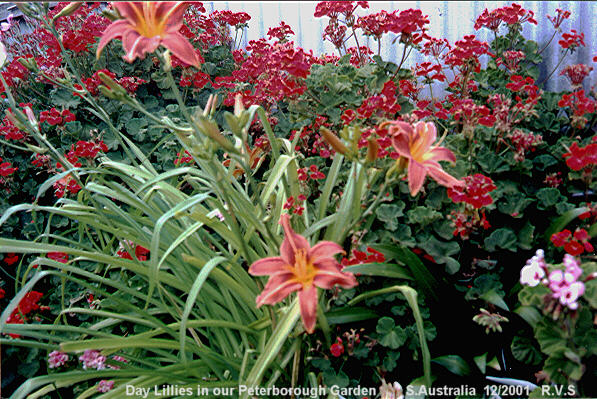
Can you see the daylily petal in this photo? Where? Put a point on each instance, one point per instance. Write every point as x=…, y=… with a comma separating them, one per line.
x=132, y=11
x=329, y=278
x=172, y=12
x=399, y=127
x=267, y=266
x=278, y=287
x=427, y=134
x=136, y=45
x=441, y=154
x=181, y=48
x=115, y=30
x=401, y=143
x=292, y=241
x=308, y=302
x=416, y=176
x=324, y=249
x=443, y=178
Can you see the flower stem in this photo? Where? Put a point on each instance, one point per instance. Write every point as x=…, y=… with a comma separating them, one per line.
x=556, y=68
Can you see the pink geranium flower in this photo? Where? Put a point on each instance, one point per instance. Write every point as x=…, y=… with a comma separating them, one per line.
x=301, y=268
x=417, y=145
x=146, y=26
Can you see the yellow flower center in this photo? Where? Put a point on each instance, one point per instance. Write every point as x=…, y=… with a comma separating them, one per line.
x=303, y=269
x=148, y=24
x=418, y=151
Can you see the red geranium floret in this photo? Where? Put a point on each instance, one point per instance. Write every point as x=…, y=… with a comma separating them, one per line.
x=474, y=192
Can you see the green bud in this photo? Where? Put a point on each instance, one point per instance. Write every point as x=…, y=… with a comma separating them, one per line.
x=68, y=10
x=112, y=85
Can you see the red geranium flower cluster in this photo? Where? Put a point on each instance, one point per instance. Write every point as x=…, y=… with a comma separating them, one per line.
x=209, y=30
x=337, y=348
x=41, y=161
x=572, y=40
x=183, y=157
x=465, y=223
x=409, y=24
x=311, y=141
x=580, y=106
x=573, y=244
x=523, y=142
x=361, y=257
x=435, y=47
x=508, y=115
x=198, y=79
x=280, y=32
x=511, y=15
x=553, y=179
x=130, y=84
x=11, y=258
x=591, y=214
x=80, y=29
x=61, y=257
x=66, y=185
x=14, y=72
x=54, y=117
x=518, y=83
x=9, y=131
x=465, y=54
x=475, y=191
x=296, y=207
x=275, y=71
x=386, y=101
x=511, y=60
x=425, y=108
x=409, y=89
x=141, y=253
x=470, y=114
x=333, y=9
x=578, y=158
x=314, y=173
x=576, y=73
x=558, y=19
x=86, y=149
x=28, y=304
x=227, y=17
x=6, y=168
x=430, y=71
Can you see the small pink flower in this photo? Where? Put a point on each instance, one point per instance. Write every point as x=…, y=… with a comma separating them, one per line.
x=301, y=268
x=570, y=294
x=93, y=359
x=57, y=359
x=572, y=266
x=105, y=386
x=558, y=281
x=534, y=271
x=531, y=275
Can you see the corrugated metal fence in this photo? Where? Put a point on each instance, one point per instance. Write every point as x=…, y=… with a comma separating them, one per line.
x=448, y=19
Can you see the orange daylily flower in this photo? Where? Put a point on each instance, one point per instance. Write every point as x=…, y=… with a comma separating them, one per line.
x=416, y=144
x=301, y=268
x=146, y=26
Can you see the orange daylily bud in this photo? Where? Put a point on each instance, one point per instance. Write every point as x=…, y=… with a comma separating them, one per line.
x=372, y=149
x=333, y=141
